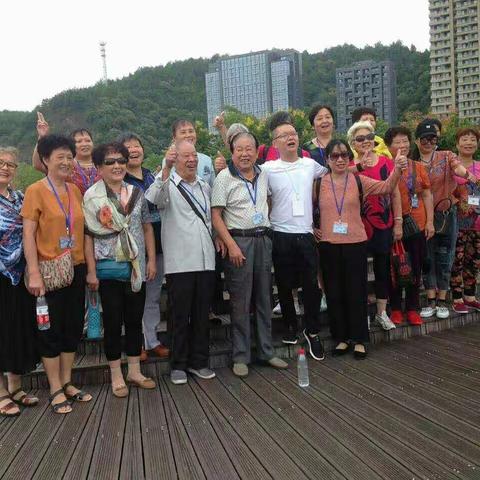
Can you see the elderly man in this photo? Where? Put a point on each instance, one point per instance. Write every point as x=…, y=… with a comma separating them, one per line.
x=189, y=260
x=240, y=217
x=290, y=181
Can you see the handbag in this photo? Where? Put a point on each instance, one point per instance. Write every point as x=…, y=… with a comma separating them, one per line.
x=56, y=273
x=113, y=270
x=401, y=266
x=443, y=219
x=409, y=227
x=94, y=323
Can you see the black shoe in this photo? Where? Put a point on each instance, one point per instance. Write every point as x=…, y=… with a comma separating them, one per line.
x=338, y=352
x=315, y=346
x=360, y=355
x=290, y=338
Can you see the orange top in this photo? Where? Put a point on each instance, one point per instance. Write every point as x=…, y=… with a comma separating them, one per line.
x=422, y=182
x=40, y=205
x=351, y=206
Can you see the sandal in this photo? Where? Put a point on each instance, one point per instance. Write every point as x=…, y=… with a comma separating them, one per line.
x=23, y=399
x=120, y=391
x=80, y=396
x=146, y=383
x=8, y=407
x=57, y=406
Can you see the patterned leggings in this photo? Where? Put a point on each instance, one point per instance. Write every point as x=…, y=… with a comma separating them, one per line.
x=466, y=264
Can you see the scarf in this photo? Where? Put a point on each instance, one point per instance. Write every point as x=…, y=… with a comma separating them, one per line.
x=105, y=216
x=12, y=261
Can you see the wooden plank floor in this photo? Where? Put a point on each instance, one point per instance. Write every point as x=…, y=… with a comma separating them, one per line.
x=410, y=411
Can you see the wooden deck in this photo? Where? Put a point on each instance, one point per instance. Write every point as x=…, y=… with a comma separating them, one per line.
x=410, y=411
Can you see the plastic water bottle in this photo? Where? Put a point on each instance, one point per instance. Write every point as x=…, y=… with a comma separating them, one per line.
x=302, y=369
x=43, y=319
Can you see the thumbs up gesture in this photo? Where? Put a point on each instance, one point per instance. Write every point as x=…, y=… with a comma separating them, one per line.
x=401, y=161
x=220, y=163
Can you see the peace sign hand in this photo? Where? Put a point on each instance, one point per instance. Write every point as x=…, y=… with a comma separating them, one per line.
x=42, y=126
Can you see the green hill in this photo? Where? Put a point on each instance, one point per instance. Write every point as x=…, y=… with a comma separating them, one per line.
x=149, y=100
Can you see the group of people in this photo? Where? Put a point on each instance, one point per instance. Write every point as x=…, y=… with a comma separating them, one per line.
x=100, y=221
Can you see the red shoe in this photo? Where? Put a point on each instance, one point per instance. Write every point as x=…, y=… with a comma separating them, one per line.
x=414, y=318
x=159, y=351
x=143, y=355
x=396, y=316
x=460, y=307
x=475, y=304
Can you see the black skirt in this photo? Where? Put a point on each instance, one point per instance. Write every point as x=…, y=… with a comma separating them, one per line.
x=18, y=353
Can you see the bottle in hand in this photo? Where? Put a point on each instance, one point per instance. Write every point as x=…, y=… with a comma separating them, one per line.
x=302, y=369
x=43, y=319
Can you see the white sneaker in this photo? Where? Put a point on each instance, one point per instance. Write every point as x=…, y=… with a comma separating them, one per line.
x=428, y=312
x=277, y=310
x=443, y=312
x=323, y=304
x=384, y=321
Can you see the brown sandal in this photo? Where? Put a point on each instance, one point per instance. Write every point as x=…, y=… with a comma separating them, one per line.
x=80, y=396
x=57, y=406
x=8, y=407
x=23, y=399
x=120, y=391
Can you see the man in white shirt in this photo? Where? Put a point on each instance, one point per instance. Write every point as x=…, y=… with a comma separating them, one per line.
x=189, y=260
x=290, y=181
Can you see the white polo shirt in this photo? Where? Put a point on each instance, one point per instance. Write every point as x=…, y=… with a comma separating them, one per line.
x=288, y=181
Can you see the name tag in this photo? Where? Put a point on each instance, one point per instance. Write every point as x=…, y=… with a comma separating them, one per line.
x=298, y=208
x=257, y=218
x=340, y=227
x=66, y=242
x=415, y=201
x=473, y=200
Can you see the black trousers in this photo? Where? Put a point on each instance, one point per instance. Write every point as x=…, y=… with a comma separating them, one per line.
x=121, y=306
x=189, y=299
x=344, y=268
x=295, y=262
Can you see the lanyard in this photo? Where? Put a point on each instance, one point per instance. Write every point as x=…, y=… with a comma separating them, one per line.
x=68, y=218
x=339, y=208
x=253, y=196
x=87, y=181
x=194, y=198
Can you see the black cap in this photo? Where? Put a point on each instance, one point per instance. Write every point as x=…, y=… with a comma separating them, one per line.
x=425, y=130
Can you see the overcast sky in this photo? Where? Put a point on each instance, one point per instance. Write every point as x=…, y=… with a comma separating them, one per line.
x=52, y=45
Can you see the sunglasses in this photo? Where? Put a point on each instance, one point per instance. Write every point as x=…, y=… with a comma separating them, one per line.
x=335, y=156
x=432, y=139
x=362, y=138
x=111, y=161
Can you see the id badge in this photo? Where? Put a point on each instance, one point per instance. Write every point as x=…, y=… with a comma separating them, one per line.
x=66, y=242
x=340, y=227
x=415, y=201
x=297, y=206
x=257, y=218
x=474, y=200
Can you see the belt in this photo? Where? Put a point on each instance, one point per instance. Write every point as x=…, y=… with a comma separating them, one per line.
x=251, y=232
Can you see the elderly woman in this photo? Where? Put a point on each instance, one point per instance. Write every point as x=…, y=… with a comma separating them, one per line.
x=442, y=168
x=382, y=214
x=141, y=177
x=343, y=245
x=322, y=120
x=53, y=240
x=17, y=308
x=466, y=265
x=417, y=211
x=119, y=233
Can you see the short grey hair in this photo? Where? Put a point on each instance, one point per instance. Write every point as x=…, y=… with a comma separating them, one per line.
x=235, y=129
x=12, y=151
x=356, y=127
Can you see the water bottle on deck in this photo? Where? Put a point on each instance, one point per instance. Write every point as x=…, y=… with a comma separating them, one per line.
x=43, y=319
x=302, y=369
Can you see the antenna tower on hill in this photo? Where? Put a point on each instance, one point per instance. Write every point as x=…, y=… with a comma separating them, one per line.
x=104, y=61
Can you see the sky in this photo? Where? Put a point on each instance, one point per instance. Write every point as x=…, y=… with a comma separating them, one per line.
x=53, y=45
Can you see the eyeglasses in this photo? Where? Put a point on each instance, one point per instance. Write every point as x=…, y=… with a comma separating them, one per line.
x=362, y=138
x=432, y=139
x=9, y=165
x=286, y=136
x=111, y=161
x=336, y=156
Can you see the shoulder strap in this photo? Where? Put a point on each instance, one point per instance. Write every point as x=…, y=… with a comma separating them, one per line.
x=360, y=189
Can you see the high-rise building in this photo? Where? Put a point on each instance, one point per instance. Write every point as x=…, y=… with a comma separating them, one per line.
x=455, y=57
x=366, y=84
x=255, y=83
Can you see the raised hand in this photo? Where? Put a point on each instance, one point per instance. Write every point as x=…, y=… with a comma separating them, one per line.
x=42, y=126
x=219, y=121
x=171, y=157
x=401, y=161
x=219, y=163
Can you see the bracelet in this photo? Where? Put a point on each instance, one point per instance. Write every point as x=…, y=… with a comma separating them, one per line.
x=359, y=167
x=398, y=218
